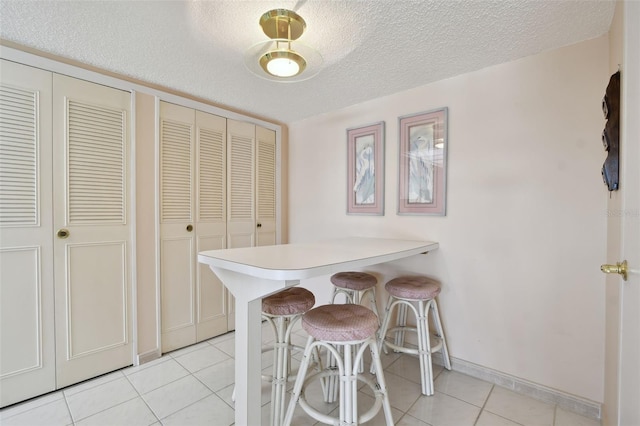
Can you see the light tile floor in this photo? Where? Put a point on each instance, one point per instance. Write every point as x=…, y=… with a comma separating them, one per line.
x=193, y=386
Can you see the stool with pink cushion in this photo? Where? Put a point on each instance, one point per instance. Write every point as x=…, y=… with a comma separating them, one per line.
x=417, y=294
x=355, y=286
x=282, y=310
x=335, y=327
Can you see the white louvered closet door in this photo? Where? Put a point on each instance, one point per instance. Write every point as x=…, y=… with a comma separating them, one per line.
x=211, y=221
x=92, y=247
x=265, y=187
x=241, y=184
x=192, y=219
x=177, y=231
x=27, y=349
x=240, y=191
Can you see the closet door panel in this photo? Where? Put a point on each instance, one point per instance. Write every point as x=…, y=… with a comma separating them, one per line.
x=97, y=316
x=265, y=187
x=92, y=219
x=241, y=185
x=178, y=315
x=177, y=231
x=240, y=192
x=211, y=221
x=27, y=348
x=211, y=296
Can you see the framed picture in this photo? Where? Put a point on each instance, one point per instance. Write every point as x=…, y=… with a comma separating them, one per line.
x=423, y=163
x=365, y=169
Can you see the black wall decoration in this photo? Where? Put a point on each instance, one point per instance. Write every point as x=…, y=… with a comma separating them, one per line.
x=611, y=133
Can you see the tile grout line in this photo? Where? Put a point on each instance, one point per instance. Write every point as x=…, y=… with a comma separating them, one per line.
x=493, y=386
x=144, y=401
x=18, y=404
x=484, y=404
x=108, y=408
x=68, y=408
x=187, y=406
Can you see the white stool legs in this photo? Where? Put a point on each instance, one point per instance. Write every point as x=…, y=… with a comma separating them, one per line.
x=345, y=331
x=426, y=347
x=356, y=287
x=346, y=370
x=282, y=326
x=354, y=297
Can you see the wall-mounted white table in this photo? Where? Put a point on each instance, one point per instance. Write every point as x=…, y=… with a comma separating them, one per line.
x=255, y=272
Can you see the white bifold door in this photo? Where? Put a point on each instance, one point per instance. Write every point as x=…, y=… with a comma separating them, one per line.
x=65, y=231
x=92, y=222
x=266, y=211
x=251, y=190
x=27, y=349
x=192, y=219
x=217, y=190
x=251, y=198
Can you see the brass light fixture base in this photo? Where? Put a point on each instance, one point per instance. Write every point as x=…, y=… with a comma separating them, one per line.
x=277, y=23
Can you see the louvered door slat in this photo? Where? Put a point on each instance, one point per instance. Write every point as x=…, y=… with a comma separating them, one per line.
x=18, y=157
x=96, y=164
x=12, y=120
x=17, y=148
x=176, y=181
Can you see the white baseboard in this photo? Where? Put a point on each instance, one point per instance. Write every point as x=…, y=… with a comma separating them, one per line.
x=567, y=401
x=148, y=356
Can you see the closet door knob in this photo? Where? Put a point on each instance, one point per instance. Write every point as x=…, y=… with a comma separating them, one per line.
x=63, y=233
x=189, y=228
x=259, y=225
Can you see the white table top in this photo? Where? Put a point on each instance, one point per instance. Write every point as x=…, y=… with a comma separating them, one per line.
x=305, y=260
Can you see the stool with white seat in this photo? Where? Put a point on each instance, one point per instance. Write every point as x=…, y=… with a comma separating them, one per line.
x=418, y=294
x=342, y=326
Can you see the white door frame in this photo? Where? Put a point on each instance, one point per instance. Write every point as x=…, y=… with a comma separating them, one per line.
x=622, y=358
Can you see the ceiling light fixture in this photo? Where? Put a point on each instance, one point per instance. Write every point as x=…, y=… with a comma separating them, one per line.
x=276, y=58
x=282, y=26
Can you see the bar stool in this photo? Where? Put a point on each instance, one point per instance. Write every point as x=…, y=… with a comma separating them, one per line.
x=342, y=326
x=281, y=311
x=419, y=294
x=355, y=286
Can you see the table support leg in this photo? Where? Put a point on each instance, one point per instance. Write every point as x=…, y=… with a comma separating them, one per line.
x=248, y=362
x=249, y=292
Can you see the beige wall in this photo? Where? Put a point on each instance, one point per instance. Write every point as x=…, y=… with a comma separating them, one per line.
x=524, y=233
x=145, y=224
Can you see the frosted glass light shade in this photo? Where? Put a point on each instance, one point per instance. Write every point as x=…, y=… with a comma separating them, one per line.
x=283, y=63
x=307, y=58
x=283, y=67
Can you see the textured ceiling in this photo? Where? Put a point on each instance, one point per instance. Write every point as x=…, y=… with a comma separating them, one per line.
x=371, y=48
